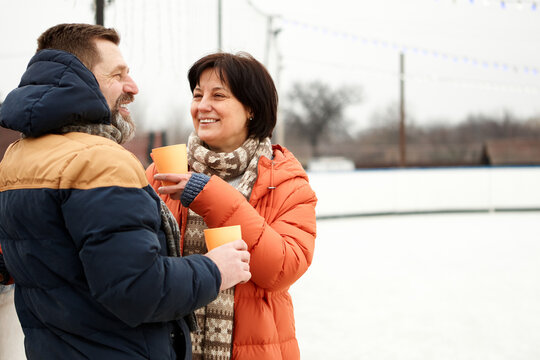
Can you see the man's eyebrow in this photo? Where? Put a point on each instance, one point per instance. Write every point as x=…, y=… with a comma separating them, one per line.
x=120, y=68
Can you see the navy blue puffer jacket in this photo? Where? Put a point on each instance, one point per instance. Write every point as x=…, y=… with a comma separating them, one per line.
x=81, y=232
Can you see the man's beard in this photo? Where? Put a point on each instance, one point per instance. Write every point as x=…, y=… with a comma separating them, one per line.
x=125, y=125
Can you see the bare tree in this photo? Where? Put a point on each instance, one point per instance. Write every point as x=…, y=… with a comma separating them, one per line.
x=315, y=110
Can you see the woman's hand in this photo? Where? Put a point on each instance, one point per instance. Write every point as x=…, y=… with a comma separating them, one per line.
x=175, y=186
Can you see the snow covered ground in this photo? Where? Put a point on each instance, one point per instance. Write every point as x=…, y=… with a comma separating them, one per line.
x=11, y=335
x=443, y=286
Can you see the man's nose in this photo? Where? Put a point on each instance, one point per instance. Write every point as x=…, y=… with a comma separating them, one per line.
x=130, y=87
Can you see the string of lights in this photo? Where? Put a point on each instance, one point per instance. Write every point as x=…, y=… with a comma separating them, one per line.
x=424, y=78
x=518, y=4
x=398, y=47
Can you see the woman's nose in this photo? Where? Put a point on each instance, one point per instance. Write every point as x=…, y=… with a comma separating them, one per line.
x=204, y=105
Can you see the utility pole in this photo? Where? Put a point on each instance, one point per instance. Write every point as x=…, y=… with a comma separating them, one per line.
x=220, y=48
x=271, y=36
x=100, y=12
x=402, y=139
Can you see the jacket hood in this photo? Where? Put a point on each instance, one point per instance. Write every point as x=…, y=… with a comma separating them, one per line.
x=55, y=90
x=283, y=167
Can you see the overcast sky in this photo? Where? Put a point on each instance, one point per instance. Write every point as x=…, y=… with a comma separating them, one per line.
x=461, y=56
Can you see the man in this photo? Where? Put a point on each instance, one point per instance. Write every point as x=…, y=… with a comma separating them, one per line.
x=85, y=238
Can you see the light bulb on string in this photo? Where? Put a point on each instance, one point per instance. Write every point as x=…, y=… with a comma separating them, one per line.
x=533, y=6
x=503, y=5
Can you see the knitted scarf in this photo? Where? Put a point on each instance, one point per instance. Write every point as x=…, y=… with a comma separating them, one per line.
x=119, y=130
x=239, y=168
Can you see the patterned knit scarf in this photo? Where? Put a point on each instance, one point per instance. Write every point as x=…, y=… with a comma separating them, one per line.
x=119, y=130
x=214, y=342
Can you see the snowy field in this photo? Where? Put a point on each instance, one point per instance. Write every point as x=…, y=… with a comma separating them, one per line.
x=444, y=287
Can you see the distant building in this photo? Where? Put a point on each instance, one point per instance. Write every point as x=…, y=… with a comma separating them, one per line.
x=512, y=152
x=7, y=137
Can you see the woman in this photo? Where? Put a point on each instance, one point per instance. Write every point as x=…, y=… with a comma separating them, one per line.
x=240, y=178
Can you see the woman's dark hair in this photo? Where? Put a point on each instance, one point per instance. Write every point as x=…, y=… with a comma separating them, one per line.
x=250, y=83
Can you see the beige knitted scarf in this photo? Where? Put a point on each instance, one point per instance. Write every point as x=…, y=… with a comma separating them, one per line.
x=239, y=168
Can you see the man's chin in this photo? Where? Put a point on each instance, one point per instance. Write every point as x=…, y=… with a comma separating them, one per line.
x=124, y=124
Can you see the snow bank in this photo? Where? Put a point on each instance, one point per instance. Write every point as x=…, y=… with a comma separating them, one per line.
x=365, y=192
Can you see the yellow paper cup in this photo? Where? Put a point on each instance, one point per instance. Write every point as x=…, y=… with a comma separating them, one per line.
x=219, y=236
x=170, y=159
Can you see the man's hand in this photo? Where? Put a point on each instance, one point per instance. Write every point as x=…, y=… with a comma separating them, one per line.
x=232, y=259
x=175, y=191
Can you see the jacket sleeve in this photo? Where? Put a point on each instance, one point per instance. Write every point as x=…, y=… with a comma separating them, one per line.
x=172, y=204
x=150, y=172
x=281, y=245
x=116, y=229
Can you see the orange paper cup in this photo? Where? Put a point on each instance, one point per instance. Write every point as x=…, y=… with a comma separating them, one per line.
x=219, y=236
x=170, y=159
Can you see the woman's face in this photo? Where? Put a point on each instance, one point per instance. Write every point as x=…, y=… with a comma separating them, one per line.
x=219, y=119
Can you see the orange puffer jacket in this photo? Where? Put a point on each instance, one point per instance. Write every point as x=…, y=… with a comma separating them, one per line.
x=278, y=224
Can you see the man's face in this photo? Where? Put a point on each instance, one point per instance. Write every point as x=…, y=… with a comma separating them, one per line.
x=112, y=74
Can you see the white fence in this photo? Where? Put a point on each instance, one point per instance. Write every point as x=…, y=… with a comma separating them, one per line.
x=394, y=191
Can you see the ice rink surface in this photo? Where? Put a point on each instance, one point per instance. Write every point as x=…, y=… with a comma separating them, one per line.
x=442, y=287
x=438, y=286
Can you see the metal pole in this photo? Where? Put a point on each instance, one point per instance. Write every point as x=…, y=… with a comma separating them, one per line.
x=402, y=139
x=269, y=35
x=219, y=26
x=280, y=126
x=100, y=12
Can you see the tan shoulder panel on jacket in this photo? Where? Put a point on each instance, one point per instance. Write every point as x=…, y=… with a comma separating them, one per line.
x=70, y=161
